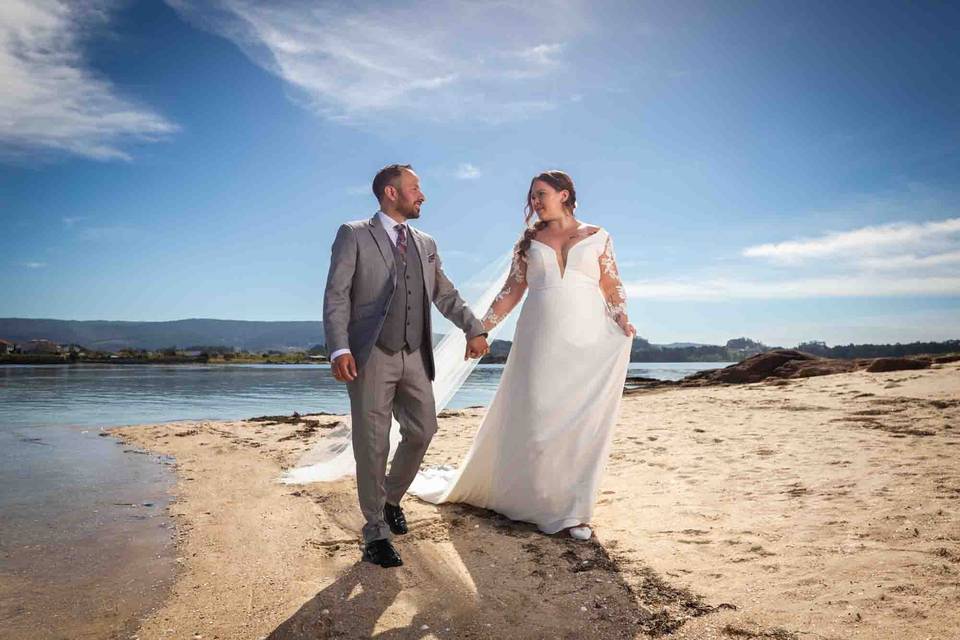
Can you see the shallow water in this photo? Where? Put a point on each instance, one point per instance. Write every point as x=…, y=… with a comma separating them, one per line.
x=85, y=540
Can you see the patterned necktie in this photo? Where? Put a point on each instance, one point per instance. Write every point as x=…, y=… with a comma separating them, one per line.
x=401, y=241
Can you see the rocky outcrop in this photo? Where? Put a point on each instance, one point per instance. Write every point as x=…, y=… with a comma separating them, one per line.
x=881, y=365
x=784, y=364
x=780, y=363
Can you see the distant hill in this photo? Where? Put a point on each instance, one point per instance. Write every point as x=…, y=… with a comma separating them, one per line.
x=111, y=335
x=258, y=337
x=679, y=345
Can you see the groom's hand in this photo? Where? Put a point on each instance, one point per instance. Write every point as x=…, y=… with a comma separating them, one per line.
x=344, y=368
x=477, y=347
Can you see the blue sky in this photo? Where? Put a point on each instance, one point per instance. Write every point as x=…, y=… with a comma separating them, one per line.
x=780, y=170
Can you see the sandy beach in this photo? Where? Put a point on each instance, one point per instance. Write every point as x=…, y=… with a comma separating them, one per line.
x=823, y=507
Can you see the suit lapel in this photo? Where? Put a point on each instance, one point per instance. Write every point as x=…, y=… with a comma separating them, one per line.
x=385, y=246
x=424, y=264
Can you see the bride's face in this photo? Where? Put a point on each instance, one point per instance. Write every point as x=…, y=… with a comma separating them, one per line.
x=547, y=202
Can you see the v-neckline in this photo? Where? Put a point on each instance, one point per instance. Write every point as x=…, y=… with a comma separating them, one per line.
x=562, y=263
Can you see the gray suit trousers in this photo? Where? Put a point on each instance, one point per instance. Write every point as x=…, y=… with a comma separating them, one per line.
x=388, y=384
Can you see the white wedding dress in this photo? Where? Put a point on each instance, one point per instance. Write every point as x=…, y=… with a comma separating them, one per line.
x=541, y=449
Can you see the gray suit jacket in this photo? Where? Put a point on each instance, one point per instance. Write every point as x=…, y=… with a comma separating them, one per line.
x=361, y=282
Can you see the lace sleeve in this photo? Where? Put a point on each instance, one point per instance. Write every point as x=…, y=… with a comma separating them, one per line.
x=610, y=283
x=510, y=294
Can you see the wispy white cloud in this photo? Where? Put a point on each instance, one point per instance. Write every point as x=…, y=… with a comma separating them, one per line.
x=857, y=286
x=437, y=60
x=897, y=259
x=536, y=61
x=861, y=242
x=34, y=265
x=912, y=261
x=543, y=54
x=70, y=221
x=51, y=100
x=467, y=171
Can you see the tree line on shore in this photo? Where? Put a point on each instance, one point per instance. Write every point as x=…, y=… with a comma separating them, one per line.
x=734, y=350
x=76, y=354
x=739, y=349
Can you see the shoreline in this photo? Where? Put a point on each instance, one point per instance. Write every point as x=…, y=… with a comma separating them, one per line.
x=820, y=505
x=324, y=363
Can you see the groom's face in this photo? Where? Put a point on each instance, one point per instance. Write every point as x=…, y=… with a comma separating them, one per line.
x=409, y=196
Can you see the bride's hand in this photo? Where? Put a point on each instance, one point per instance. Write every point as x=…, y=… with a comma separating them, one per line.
x=477, y=347
x=627, y=328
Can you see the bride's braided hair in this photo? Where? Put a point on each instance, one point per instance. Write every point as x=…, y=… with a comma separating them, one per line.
x=559, y=181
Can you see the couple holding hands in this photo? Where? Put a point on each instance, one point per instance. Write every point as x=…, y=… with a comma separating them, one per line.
x=540, y=451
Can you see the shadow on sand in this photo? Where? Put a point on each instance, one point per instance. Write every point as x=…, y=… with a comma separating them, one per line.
x=471, y=573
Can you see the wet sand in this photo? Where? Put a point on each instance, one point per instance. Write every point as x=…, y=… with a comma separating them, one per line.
x=815, y=508
x=86, y=545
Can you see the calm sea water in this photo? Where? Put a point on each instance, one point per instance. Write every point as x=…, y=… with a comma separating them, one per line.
x=113, y=395
x=72, y=502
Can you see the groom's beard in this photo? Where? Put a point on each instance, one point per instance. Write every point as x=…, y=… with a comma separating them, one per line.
x=409, y=210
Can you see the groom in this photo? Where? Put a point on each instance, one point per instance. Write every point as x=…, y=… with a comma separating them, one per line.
x=384, y=274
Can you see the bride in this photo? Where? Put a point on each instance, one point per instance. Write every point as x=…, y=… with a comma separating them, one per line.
x=540, y=452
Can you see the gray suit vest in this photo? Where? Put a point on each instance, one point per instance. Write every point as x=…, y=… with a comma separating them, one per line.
x=404, y=326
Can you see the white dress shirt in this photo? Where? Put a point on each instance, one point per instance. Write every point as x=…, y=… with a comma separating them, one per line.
x=390, y=226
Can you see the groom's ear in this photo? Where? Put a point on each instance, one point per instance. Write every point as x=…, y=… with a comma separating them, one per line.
x=391, y=192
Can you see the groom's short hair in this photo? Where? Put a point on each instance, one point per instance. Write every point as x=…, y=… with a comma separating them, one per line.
x=390, y=174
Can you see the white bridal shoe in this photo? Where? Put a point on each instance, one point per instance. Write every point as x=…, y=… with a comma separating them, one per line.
x=581, y=533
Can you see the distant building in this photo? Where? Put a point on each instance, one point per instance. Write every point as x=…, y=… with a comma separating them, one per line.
x=6, y=347
x=74, y=350
x=40, y=346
